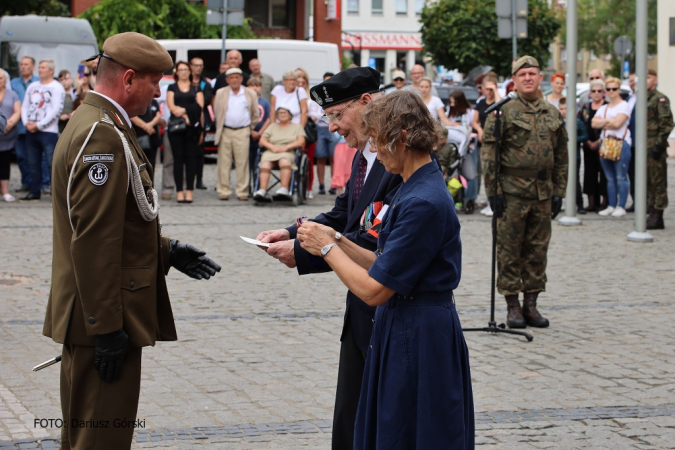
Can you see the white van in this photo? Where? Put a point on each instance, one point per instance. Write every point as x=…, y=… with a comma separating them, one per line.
x=276, y=55
x=66, y=40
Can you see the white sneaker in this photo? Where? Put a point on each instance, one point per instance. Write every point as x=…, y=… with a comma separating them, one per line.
x=282, y=192
x=618, y=212
x=606, y=212
x=310, y=195
x=487, y=211
x=259, y=194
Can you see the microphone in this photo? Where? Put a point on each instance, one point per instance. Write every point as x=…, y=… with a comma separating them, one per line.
x=501, y=102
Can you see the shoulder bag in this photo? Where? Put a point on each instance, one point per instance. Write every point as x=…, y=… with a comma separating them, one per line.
x=611, y=146
x=310, y=126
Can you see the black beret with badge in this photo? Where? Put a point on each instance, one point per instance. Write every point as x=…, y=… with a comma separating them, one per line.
x=136, y=51
x=346, y=85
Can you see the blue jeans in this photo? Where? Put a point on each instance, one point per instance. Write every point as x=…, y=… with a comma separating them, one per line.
x=617, y=177
x=325, y=143
x=40, y=151
x=22, y=159
x=471, y=192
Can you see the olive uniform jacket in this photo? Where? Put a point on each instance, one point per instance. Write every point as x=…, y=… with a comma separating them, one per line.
x=108, y=270
x=659, y=119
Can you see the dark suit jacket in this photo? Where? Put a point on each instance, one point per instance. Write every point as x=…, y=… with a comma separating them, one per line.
x=346, y=217
x=108, y=271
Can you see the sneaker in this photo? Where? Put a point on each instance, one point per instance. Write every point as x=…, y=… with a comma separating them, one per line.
x=332, y=191
x=487, y=211
x=322, y=190
x=259, y=195
x=607, y=211
x=618, y=212
x=8, y=198
x=310, y=195
x=282, y=192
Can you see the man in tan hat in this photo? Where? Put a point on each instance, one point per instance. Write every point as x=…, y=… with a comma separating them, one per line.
x=109, y=296
x=532, y=178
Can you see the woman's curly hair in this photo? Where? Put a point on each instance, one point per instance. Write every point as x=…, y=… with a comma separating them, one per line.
x=385, y=119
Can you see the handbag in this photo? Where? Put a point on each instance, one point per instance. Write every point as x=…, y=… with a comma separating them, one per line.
x=177, y=125
x=144, y=142
x=611, y=146
x=310, y=127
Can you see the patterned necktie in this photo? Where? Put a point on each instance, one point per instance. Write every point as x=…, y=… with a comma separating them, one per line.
x=360, y=178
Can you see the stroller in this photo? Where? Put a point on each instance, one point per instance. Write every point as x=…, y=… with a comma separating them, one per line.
x=462, y=173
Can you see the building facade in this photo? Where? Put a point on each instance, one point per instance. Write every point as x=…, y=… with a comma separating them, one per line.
x=383, y=34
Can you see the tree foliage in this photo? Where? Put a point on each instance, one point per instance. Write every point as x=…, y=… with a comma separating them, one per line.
x=158, y=19
x=600, y=22
x=462, y=34
x=39, y=7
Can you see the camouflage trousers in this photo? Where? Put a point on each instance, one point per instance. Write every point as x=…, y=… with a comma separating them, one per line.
x=523, y=234
x=657, y=182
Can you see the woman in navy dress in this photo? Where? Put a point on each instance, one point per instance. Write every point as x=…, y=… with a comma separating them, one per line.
x=416, y=391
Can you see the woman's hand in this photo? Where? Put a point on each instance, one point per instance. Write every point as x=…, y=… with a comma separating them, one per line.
x=313, y=237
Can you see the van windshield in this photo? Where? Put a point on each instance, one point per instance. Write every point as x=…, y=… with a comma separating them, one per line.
x=66, y=56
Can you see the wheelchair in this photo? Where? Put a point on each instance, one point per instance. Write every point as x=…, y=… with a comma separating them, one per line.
x=299, y=179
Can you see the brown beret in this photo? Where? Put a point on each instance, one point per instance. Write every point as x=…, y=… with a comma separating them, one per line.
x=524, y=62
x=137, y=51
x=652, y=72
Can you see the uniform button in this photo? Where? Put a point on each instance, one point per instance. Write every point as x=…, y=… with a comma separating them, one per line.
x=373, y=320
x=92, y=320
x=131, y=285
x=371, y=346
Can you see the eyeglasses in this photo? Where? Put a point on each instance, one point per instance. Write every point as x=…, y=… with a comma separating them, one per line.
x=613, y=89
x=87, y=74
x=197, y=65
x=594, y=78
x=338, y=115
x=596, y=91
x=416, y=73
x=399, y=79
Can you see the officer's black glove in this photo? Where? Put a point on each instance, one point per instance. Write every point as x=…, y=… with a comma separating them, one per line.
x=657, y=151
x=498, y=208
x=556, y=206
x=191, y=261
x=111, y=349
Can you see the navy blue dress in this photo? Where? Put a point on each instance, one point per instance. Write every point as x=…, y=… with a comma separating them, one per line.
x=416, y=391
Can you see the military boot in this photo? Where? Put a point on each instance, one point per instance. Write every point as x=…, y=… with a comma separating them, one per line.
x=514, y=316
x=655, y=220
x=532, y=316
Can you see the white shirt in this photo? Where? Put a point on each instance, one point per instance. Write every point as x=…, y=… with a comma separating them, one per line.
x=237, y=115
x=116, y=105
x=289, y=100
x=621, y=108
x=370, y=157
x=43, y=104
x=433, y=106
x=631, y=101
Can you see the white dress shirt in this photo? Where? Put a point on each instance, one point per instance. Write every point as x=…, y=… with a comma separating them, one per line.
x=238, y=115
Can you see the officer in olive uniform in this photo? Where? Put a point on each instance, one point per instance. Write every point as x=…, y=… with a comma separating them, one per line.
x=108, y=296
x=659, y=126
x=532, y=178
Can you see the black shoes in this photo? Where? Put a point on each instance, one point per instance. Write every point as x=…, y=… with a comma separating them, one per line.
x=322, y=189
x=200, y=185
x=332, y=191
x=30, y=196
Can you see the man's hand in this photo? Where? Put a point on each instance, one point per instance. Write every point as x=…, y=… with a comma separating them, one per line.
x=109, y=354
x=284, y=251
x=556, y=206
x=255, y=135
x=498, y=208
x=191, y=261
x=657, y=151
x=274, y=236
x=32, y=127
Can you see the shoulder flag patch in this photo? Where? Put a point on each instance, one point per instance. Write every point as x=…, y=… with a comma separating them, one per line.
x=662, y=99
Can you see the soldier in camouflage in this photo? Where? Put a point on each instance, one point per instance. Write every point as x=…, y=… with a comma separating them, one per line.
x=659, y=126
x=531, y=182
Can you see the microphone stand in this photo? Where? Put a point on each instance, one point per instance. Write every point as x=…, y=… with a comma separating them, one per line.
x=492, y=325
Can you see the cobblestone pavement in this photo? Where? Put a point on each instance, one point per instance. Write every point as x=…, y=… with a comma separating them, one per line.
x=256, y=362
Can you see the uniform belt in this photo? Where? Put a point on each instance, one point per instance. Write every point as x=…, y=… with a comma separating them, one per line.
x=422, y=298
x=520, y=173
x=235, y=128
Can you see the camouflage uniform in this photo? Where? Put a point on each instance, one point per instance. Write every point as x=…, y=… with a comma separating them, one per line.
x=659, y=126
x=533, y=168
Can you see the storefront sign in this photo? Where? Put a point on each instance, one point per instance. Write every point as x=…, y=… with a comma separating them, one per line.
x=385, y=41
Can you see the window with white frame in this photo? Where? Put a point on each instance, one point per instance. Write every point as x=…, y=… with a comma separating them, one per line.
x=401, y=6
x=377, y=6
x=353, y=6
x=419, y=5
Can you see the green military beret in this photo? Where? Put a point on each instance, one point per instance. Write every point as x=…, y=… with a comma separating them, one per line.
x=138, y=52
x=523, y=63
x=652, y=72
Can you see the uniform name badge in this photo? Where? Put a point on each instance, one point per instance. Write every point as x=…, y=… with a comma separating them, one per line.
x=377, y=222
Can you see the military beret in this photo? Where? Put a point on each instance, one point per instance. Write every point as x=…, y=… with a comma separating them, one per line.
x=138, y=52
x=523, y=63
x=652, y=72
x=233, y=71
x=346, y=85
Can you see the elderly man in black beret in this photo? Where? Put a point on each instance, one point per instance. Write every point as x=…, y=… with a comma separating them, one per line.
x=343, y=99
x=109, y=296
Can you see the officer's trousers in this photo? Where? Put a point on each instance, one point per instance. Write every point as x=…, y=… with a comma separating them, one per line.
x=657, y=182
x=523, y=235
x=97, y=414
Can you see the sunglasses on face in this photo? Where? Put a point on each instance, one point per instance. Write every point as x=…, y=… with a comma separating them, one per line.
x=597, y=91
x=613, y=89
x=87, y=74
x=399, y=79
x=595, y=78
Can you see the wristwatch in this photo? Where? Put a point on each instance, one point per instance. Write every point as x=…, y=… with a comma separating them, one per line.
x=326, y=248
x=338, y=235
